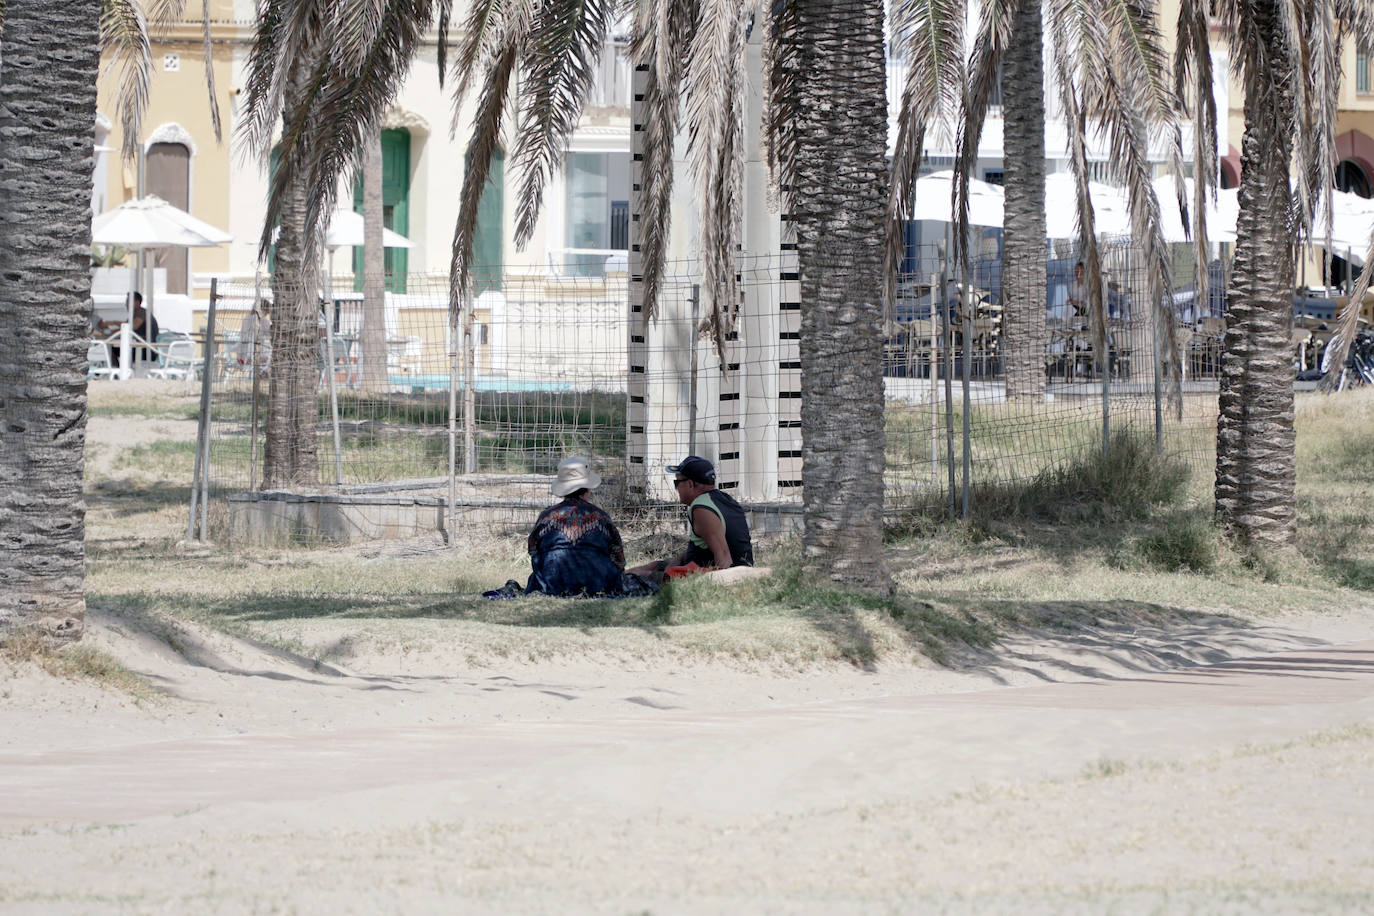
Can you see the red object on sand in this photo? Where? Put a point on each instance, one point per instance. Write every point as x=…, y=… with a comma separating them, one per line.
x=682, y=572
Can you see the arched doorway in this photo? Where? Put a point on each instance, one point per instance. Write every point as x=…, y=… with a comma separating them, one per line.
x=167, y=167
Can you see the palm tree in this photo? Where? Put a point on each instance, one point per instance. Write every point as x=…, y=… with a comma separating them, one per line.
x=49, y=66
x=50, y=54
x=1287, y=55
x=826, y=74
x=289, y=440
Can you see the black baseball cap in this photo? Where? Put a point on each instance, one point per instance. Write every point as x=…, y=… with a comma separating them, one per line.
x=698, y=470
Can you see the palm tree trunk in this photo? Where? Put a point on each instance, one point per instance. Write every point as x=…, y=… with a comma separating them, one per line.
x=51, y=57
x=1023, y=222
x=1256, y=469
x=838, y=208
x=374, y=267
x=290, y=441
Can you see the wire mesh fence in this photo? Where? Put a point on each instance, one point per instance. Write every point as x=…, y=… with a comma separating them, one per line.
x=410, y=419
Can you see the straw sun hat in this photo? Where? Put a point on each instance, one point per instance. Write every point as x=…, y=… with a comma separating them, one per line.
x=575, y=474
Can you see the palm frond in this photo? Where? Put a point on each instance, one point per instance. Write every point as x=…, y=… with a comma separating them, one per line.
x=984, y=72
x=781, y=75
x=1314, y=49
x=558, y=71
x=482, y=146
x=929, y=34
x=162, y=15
x=1193, y=89
x=487, y=24
x=286, y=30
x=714, y=86
x=442, y=50
x=354, y=25
x=1089, y=252
x=124, y=35
x=658, y=24
x=208, y=54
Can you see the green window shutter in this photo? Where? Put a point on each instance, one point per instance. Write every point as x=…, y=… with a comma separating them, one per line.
x=395, y=209
x=486, y=243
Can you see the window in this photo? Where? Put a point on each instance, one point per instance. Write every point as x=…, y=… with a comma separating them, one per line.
x=596, y=210
x=1362, y=71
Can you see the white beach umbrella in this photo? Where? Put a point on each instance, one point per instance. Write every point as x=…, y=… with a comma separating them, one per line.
x=1111, y=215
x=346, y=230
x=1220, y=213
x=1352, y=225
x=145, y=223
x=934, y=200
x=151, y=222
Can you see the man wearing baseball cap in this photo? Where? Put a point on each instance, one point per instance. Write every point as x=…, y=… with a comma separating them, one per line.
x=720, y=531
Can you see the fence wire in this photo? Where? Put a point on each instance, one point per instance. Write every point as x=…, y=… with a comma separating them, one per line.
x=408, y=420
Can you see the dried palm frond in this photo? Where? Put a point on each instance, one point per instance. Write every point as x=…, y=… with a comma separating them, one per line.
x=1312, y=42
x=930, y=35
x=490, y=24
x=1193, y=88
x=658, y=26
x=124, y=35
x=215, y=122
x=984, y=73
x=558, y=71
x=1089, y=253
x=714, y=89
x=781, y=76
x=482, y=146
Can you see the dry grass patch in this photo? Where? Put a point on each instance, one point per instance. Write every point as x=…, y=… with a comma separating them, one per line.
x=29, y=646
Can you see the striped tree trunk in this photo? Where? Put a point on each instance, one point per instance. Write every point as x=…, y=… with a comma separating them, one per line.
x=290, y=456
x=1023, y=223
x=49, y=63
x=374, y=268
x=838, y=206
x=1256, y=469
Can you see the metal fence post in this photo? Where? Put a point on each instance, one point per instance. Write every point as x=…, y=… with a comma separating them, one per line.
x=333, y=383
x=947, y=340
x=452, y=519
x=966, y=303
x=696, y=317
x=253, y=413
x=469, y=390
x=1159, y=389
x=200, y=470
x=1106, y=361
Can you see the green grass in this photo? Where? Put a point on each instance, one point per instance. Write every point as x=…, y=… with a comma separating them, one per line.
x=405, y=436
x=1119, y=543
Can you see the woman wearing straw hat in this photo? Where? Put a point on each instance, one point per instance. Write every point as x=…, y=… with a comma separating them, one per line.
x=575, y=548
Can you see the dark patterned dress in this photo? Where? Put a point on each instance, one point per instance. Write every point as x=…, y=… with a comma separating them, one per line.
x=575, y=550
